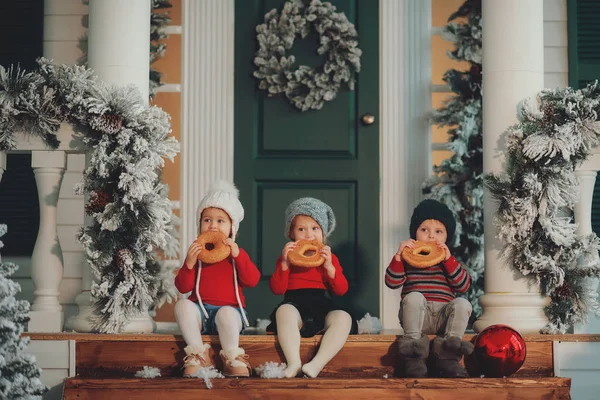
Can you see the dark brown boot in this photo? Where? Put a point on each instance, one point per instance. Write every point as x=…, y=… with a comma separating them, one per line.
x=413, y=356
x=446, y=353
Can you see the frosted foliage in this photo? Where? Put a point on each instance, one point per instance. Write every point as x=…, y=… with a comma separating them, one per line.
x=457, y=181
x=19, y=374
x=128, y=143
x=556, y=132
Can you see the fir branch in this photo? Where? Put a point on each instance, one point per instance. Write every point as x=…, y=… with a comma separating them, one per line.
x=557, y=131
x=457, y=181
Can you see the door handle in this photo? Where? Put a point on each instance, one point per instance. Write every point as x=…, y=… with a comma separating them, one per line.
x=368, y=119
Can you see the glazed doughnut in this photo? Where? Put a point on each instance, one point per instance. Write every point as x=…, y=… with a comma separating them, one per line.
x=423, y=255
x=213, y=247
x=307, y=253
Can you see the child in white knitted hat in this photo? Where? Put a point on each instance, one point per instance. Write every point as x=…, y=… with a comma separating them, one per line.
x=216, y=304
x=307, y=308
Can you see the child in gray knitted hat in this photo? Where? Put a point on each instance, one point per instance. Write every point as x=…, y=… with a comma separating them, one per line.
x=428, y=304
x=307, y=308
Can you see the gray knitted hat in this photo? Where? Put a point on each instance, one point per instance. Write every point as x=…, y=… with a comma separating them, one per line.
x=313, y=208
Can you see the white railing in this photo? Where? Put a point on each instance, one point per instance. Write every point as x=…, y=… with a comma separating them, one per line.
x=47, y=258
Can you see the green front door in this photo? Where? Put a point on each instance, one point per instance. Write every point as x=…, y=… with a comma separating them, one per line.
x=282, y=154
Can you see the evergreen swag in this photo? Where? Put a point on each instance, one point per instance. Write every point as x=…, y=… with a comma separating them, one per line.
x=19, y=375
x=131, y=216
x=556, y=132
x=458, y=180
x=305, y=87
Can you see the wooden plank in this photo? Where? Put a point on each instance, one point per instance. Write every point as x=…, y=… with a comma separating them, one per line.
x=364, y=359
x=153, y=337
x=477, y=389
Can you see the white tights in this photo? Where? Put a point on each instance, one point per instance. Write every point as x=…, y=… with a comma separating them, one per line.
x=289, y=322
x=228, y=322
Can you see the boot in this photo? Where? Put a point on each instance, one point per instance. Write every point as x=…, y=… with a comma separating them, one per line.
x=196, y=358
x=235, y=363
x=413, y=355
x=447, y=353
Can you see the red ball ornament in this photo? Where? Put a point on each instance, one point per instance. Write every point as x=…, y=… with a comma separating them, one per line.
x=499, y=352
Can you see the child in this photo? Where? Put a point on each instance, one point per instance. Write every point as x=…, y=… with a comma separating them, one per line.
x=428, y=303
x=307, y=308
x=220, y=288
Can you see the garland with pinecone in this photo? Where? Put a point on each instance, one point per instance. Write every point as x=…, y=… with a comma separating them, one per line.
x=132, y=225
x=536, y=194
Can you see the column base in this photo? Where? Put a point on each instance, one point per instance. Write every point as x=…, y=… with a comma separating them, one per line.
x=46, y=321
x=140, y=324
x=521, y=311
x=82, y=322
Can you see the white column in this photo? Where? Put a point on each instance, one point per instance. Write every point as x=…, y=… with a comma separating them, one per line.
x=46, y=260
x=119, y=53
x=2, y=164
x=119, y=42
x=513, y=69
x=586, y=175
x=405, y=133
x=207, y=103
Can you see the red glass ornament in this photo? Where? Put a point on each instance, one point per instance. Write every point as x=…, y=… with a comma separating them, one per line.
x=499, y=352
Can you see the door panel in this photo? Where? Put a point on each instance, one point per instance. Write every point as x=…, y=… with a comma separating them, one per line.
x=282, y=154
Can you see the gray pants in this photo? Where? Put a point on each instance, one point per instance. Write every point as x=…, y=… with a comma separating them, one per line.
x=419, y=316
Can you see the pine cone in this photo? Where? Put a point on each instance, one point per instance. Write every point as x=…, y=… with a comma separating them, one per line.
x=97, y=202
x=124, y=258
x=107, y=123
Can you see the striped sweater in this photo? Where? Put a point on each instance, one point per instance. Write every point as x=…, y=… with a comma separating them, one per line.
x=438, y=283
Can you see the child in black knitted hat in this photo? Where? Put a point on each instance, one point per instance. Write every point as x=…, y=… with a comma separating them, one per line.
x=428, y=304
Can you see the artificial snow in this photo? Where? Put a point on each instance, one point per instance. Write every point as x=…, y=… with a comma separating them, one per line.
x=369, y=324
x=270, y=370
x=208, y=373
x=148, y=372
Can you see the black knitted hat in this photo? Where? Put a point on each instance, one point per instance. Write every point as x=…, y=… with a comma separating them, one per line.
x=433, y=209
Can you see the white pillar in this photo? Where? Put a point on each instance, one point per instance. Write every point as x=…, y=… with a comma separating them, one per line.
x=513, y=69
x=119, y=42
x=586, y=175
x=46, y=260
x=207, y=104
x=2, y=164
x=119, y=53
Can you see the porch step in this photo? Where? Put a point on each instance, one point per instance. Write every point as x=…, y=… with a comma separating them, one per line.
x=363, y=388
x=363, y=356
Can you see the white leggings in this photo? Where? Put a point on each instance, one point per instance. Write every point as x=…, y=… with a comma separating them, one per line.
x=228, y=322
x=337, y=328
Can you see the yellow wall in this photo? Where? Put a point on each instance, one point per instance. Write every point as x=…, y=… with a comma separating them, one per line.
x=440, y=63
x=170, y=67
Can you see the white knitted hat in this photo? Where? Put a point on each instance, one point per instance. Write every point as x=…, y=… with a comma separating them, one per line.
x=224, y=195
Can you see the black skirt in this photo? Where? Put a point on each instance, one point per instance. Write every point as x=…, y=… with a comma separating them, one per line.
x=313, y=306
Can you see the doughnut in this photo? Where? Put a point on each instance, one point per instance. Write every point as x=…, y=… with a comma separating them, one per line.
x=423, y=255
x=213, y=247
x=307, y=254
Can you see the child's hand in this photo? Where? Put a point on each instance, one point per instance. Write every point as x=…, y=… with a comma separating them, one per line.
x=410, y=243
x=328, y=264
x=235, y=249
x=446, y=250
x=289, y=246
x=192, y=255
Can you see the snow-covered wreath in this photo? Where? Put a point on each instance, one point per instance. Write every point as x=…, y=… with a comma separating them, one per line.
x=305, y=87
x=557, y=131
x=127, y=141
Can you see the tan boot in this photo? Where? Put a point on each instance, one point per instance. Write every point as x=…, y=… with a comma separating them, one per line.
x=235, y=363
x=197, y=357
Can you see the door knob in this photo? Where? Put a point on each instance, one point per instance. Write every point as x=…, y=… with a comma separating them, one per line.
x=368, y=119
